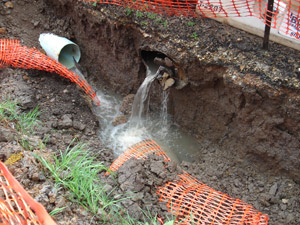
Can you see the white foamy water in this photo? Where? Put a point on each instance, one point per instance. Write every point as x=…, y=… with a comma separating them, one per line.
x=158, y=126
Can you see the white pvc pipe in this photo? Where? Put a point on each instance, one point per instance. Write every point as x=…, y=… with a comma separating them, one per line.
x=60, y=49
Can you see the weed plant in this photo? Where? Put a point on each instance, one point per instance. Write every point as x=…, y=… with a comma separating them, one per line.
x=77, y=171
x=22, y=122
x=194, y=35
x=191, y=24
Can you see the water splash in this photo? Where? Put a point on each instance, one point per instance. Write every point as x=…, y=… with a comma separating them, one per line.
x=158, y=126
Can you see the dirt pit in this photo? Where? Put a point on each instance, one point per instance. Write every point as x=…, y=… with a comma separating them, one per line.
x=66, y=115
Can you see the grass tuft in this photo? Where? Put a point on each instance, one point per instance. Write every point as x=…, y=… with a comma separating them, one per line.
x=78, y=172
x=22, y=122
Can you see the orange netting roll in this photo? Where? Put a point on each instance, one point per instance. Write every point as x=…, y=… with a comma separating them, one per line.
x=191, y=201
x=195, y=203
x=285, y=13
x=12, y=53
x=17, y=206
x=139, y=151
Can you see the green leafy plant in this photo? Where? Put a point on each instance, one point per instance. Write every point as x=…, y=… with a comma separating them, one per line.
x=194, y=35
x=139, y=14
x=151, y=15
x=128, y=11
x=191, y=24
x=165, y=23
x=158, y=20
x=144, y=23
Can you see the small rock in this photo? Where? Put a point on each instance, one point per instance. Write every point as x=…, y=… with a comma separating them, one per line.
x=36, y=23
x=6, y=135
x=42, y=198
x=35, y=176
x=157, y=167
x=169, y=83
x=46, y=189
x=2, y=30
x=26, y=78
x=79, y=125
x=121, y=119
x=42, y=177
x=285, y=201
x=273, y=189
x=165, y=75
x=9, y=5
x=168, y=62
x=65, y=121
x=60, y=202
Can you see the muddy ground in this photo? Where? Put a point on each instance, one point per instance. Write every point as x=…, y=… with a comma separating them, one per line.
x=66, y=111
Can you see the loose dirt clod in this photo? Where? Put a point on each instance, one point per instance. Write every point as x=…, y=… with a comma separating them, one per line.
x=139, y=179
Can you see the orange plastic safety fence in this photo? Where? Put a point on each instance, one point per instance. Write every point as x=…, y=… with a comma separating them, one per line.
x=285, y=15
x=195, y=203
x=16, y=205
x=191, y=201
x=12, y=53
x=139, y=151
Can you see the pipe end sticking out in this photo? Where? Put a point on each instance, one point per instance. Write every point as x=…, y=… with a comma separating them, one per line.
x=60, y=49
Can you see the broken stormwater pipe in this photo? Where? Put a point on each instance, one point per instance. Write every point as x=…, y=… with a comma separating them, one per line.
x=60, y=49
x=63, y=51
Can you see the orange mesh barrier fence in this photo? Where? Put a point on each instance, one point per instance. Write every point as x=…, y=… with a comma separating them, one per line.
x=285, y=14
x=12, y=53
x=17, y=206
x=191, y=201
x=138, y=151
x=195, y=203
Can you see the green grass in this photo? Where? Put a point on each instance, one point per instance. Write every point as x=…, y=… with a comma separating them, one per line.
x=22, y=122
x=57, y=210
x=77, y=171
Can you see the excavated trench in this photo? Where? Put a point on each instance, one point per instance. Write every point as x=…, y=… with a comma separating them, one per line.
x=240, y=102
x=249, y=108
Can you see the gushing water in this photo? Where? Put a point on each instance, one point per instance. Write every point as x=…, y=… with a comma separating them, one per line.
x=158, y=126
x=141, y=100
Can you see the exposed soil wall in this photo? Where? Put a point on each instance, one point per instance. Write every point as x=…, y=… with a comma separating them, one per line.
x=236, y=94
